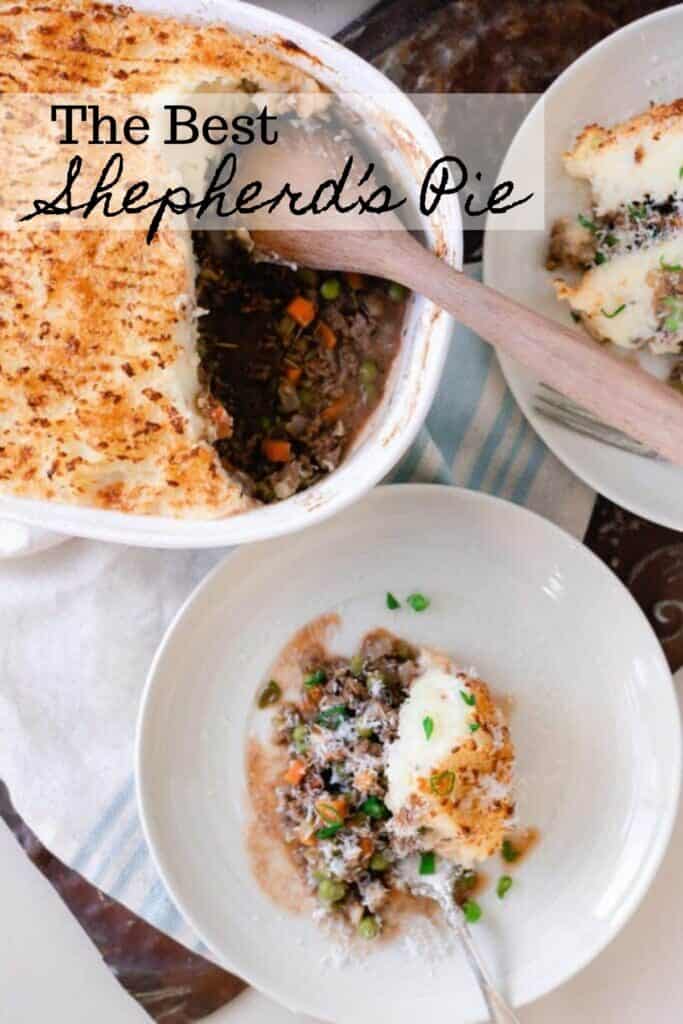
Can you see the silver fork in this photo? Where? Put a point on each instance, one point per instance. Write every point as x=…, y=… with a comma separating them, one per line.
x=554, y=406
x=439, y=887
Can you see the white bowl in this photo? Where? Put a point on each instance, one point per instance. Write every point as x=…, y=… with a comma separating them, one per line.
x=426, y=329
x=595, y=724
x=612, y=81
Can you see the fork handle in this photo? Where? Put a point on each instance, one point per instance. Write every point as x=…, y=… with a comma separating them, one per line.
x=615, y=390
x=499, y=1010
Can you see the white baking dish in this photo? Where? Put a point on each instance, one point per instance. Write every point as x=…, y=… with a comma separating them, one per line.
x=425, y=334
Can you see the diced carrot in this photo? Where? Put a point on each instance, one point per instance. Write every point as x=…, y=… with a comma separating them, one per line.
x=295, y=772
x=367, y=846
x=334, y=411
x=355, y=281
x=326, y=335
x=332, y=811
x=302, y=310
x=293, y=374
x=276, y=451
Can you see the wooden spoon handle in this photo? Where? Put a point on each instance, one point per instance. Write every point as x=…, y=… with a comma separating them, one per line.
x=615, y=390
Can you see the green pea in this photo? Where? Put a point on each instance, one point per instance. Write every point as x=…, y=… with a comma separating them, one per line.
x=307, y=276
x=368, y=373
x=472, y=911
x=331, y=890
x=356, y=665
x=368, y=927
x=378, y=862
x=300, y=738
x=330, y=289
x=286, y=326
x=396, y=292
x=270, y=694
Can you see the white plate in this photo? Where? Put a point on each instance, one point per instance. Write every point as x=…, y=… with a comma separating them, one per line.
x=596, y=728
x=617, y=78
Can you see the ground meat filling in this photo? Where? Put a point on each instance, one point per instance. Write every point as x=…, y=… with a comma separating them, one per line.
x=298, y=360
x=332, y=807
x=590, y=241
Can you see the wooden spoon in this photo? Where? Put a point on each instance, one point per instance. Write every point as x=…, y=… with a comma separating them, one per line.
x=615, y=390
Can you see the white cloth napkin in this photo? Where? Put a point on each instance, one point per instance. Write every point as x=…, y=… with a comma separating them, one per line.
x=80, y=624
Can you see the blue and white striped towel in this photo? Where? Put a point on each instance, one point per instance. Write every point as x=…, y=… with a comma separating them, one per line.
x=80, y=624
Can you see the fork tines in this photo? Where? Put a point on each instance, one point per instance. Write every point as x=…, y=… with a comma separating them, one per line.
x=554, y=406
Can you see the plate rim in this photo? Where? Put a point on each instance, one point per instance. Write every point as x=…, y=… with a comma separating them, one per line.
x=513, y=371
x=665, y=821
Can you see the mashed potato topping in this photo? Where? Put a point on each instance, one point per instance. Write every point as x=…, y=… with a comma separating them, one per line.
x=629, y=247
x=450, y=769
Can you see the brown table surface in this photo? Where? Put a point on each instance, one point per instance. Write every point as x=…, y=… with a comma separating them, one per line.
x=491, y=46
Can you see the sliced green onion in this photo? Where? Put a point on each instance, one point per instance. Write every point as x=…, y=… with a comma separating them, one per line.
x=510, y=854
x=670, y=268
x=586, y=223
x=329, y=813
x=610, y=240
x=392, y=602
x=316, y=678
x=330, y=289
x=396, y=292
x=469, y=698
x=474, y=726
x=329, y=830
x=472, y=911
x=332, y=718
x=636, y=211
x=428, y=726
x=375, y=808
x=504, y=886
x=442, y=783
x=427, y=863
x=270, y=694
x=368, y=927
x=616, y=312
x=418, y=602
x=600, y=258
